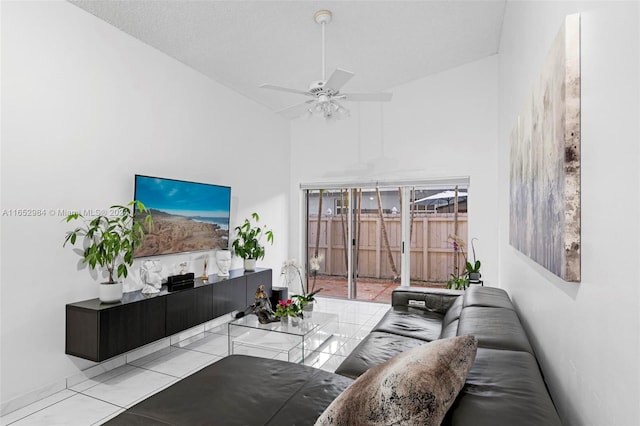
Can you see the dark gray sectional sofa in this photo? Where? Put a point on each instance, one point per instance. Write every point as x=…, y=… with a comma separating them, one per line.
x=503, y=387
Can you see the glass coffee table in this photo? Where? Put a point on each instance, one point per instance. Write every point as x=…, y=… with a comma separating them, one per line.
x=284, y=340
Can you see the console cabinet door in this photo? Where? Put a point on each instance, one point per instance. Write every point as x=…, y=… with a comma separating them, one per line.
x=229, y=295
x=188, y=308
x=256, y=279
x=130, y=326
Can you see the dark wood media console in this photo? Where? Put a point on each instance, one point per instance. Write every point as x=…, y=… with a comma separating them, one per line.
x=98, y=331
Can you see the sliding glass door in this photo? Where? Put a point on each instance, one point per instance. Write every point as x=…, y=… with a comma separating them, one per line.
x=363, y=241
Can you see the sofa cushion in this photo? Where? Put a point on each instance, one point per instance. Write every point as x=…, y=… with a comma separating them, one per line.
x=375, y=349
x=240, y=390
x=503, y=388
x=490, y=297
x=416, y=387
x=495, y=328
x=411, y=322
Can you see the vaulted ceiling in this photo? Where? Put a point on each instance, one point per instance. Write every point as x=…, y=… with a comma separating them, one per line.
x=242, y=44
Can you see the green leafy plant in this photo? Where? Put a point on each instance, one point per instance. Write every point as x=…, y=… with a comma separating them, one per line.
x=111, y=240
x=248, y=244
x=458, y=283
x=475, y=268
x=304, y=299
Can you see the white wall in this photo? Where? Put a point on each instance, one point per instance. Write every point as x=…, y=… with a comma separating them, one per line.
x=586, y=335
x=84, y=108
x=439, y=126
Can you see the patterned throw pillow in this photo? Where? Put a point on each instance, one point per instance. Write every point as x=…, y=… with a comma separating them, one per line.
x=416, y=387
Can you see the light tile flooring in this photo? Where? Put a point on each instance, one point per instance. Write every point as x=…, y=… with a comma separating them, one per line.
x=101, y=398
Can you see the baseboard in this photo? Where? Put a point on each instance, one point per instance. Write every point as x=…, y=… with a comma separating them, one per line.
x=31, y=397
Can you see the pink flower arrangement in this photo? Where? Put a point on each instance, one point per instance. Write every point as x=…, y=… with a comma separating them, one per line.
x=288, y=308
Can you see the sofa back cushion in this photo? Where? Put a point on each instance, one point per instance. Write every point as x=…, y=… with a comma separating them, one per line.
x=490, y=297
x=495, y=328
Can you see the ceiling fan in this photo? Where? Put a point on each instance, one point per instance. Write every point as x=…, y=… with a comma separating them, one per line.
x=325, y=93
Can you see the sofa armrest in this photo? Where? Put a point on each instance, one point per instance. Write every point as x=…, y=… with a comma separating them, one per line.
x=428, y=299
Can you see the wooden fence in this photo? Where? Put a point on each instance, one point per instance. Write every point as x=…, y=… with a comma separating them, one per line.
x=432, y=254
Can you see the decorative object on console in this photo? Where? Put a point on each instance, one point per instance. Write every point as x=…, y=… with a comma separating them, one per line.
x=223, y=262
x=248, y=244
x=545, y=162
x=415, y=387
x=151, y=274
x=110, y=243
x=179, y=282
x=205, y=275
x=262, y=307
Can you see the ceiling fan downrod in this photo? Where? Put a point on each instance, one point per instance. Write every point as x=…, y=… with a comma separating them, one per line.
x=323, y=17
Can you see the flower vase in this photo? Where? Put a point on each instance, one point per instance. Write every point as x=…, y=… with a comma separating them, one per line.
x=284, y=320
x=295, y=321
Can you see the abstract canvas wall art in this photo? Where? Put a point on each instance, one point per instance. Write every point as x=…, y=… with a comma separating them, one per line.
x=545, y=161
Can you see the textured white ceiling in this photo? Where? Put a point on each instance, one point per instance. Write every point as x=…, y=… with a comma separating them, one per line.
x=242, y=44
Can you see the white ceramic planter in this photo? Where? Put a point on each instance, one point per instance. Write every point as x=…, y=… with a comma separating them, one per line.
x=110, y=293
x=249, y=264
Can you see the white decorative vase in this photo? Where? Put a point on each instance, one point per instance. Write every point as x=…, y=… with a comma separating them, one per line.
x=250, y=265
x=284, y=320
x=110, y=293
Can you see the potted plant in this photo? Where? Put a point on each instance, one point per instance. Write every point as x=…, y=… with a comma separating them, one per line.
x=248, y=244
x=473, y=269
x=110, y=242
x=306, y=302
x=458, y=280
x=288, y=309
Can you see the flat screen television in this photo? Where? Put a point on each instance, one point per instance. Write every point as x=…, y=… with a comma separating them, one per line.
x=187, y=216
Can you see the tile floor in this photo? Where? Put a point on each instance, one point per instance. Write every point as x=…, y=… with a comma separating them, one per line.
x=94, y=401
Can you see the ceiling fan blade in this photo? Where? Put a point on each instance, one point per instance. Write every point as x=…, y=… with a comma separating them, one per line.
x=367, y=97
x=338, y=79
x=284, y=89
x=296, y=110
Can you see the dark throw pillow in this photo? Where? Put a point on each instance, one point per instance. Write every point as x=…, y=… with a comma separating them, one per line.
x=416, y=387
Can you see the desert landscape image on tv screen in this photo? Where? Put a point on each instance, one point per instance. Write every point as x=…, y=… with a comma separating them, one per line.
x=187, y=216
